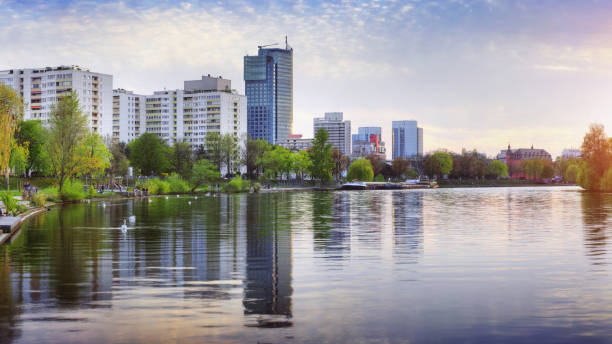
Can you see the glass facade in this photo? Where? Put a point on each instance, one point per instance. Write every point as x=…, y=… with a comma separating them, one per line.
x=268, y=79
x=407, y=139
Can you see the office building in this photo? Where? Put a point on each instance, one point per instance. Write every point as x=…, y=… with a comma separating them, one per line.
x=407, y=140
x=571, y=153
x=268, y=83
x=295, y=143
x=42, y=87
x=339, y=131
x=129, y=115
x=368, y=141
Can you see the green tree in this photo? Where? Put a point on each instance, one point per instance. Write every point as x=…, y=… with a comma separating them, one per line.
x=32, y=134
x=19, y=159
x=438, y=164
x=68, y=130
x=119, y=164
x=321, y=157
x=341, y=163
x=571, y=173
x=548, y=171
x=203, y=172
x=301, y=163
x=11, y=113
x=93, y=156
x=360, y=169
x=149, y=154
x=254, y=151
x=181, y=158
x=497, y=169
x=229, y=152
x=278, y=161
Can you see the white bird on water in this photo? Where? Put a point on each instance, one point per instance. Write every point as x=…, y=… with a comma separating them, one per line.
x=103, y=205
x=177, y=196
x=124, y=227
x=150, y=201
x=189, y=202
x=166, y=197
x=196, y=197
x=132, y=219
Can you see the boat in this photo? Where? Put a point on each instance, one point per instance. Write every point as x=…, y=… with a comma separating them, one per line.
x=353, y=186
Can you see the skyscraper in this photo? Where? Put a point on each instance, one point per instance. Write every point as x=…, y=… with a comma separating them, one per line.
x=407, y=139
x=268, y=83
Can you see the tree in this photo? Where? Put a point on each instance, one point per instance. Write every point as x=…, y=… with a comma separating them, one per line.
x=301, y=163
x=32, y=134
x=571, y=173
x=119, y=164
x=149, y=154
x=214, y=149
x=203, y=172
x=360, y=169
x=321, y=157
x=547, y=171
x=229, y=152
x=67, y=131
x=93, y=156
x=341, y=163
x=400, y=167
x=254, y=151
x=597, y=158
x=438, y=164
x=11, y=112
x=378, y=163
x=277, y=162
x=497, y=169
x=19, y=159
x=181, y=158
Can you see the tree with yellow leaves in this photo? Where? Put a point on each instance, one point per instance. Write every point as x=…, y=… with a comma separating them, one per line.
x=11, y=112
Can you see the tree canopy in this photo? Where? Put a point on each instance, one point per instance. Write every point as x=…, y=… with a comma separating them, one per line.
x=11, y=113
x=149, y=154
x=321, y=157
x=438, y=164
x=360, y=169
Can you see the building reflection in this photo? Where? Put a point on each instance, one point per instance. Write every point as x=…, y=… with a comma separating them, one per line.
x=407, y=210
x=267, y=286
x=331, y=221
x=595, y=209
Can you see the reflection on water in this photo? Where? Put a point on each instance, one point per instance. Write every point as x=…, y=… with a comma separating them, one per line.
x=476, y=265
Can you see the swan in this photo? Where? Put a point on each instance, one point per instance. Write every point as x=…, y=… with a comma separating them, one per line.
x=150, y=201
x=124, y=227
x=103, y=205
x=189, y=202
x=196, y=197
x=132, y=219
x=177, y=196
x=166, y=197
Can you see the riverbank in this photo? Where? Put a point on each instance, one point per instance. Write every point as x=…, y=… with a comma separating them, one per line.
x=11, y=225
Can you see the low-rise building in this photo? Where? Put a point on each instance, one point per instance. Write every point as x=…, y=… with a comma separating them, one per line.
x=295, y=143
x=513, y=158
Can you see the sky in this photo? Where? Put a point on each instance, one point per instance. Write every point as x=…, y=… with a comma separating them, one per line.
x=474, y=74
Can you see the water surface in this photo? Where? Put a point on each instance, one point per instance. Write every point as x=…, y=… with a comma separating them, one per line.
x=446, y=265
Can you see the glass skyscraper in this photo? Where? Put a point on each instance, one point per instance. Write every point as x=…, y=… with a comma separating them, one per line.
x=407, y=139
x=268, y=82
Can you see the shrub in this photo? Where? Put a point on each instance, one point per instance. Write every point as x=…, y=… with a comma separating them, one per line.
x=571, y=173
x=157, y=186
x=360, y=169
x=9, y=202
x=39, y=200
x=91, y=192
x=72, y=191
x=51, y=193
x=256, y=187
x=178, y=184
x=379, y=178
x=586, y=178
x=235, y=185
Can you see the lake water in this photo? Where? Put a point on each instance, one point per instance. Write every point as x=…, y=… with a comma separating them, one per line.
x=446, y=265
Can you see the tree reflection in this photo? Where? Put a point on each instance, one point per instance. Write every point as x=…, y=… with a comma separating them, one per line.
x=595, y=209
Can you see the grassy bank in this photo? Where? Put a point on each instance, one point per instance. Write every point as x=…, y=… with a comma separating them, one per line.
x=451, y=183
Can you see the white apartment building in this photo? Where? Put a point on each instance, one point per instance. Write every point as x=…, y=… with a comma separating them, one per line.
x=339, y=131
x=129, y=115
x=204, y=106
x=41, y=88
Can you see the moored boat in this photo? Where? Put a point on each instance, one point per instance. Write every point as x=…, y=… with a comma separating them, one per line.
x=354, y=186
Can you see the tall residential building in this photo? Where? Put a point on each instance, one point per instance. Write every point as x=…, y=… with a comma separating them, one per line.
x=339, y=131
x=129, y=115
x=268, y=84
x=407, y=139
x=368, y=141
x=204, y=106
x=42, y=87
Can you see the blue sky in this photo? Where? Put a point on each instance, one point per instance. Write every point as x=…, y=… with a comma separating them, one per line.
x=475, y=74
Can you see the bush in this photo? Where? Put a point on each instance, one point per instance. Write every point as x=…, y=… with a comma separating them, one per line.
x=571, y=173
x=379, y=178
x=72, y=191
x=235, y=185
x=178, y=184
x=256, y=187
x=157, y=186
x=50, y=193
x=360, y=169
x=9, y=203
x=587, y=179
x=91, y=192
x=39, y=200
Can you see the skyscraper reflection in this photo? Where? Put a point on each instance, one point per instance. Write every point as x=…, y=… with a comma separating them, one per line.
x=407, y=211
